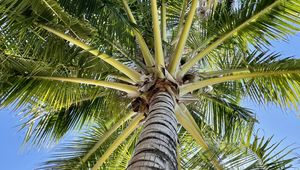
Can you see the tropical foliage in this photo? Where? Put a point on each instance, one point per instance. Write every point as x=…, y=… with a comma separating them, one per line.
x=91, y=67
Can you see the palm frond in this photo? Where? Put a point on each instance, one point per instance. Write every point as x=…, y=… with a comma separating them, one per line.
x=269, y=156
x=267, y=79
x=260, y=153
x=70, y=156
x=46, y=126
x=48, y=12
x=222, y=115
x=51, y=109
x=253, y=22
x=243, y=151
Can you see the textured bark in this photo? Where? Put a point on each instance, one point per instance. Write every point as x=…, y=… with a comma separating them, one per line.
x=156, y=147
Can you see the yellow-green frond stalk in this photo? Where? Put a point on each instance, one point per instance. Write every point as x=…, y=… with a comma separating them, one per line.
x=200, y=84
x=107, y=135
x=159, y=55
x=132, y=74
x=131, y=127
x=176, y=56
x=149, y=61
x=187, y=121
x=131, y=90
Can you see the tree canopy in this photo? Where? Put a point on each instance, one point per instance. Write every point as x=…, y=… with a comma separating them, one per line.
x=91, y=67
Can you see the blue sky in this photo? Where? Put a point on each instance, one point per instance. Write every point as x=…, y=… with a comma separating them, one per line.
x=12, y=155
x=273, y=121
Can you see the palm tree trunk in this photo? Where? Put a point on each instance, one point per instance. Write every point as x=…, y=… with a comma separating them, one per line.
x=156, y=147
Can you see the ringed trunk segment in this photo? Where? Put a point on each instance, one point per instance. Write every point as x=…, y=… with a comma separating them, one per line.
x=156, y=147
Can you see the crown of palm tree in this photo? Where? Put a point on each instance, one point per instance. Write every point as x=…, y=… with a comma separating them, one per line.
x=93, y=66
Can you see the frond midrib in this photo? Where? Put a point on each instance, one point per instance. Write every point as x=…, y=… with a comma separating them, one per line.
x=200, y=84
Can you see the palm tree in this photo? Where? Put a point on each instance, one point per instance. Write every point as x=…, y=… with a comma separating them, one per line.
x=148, y=84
